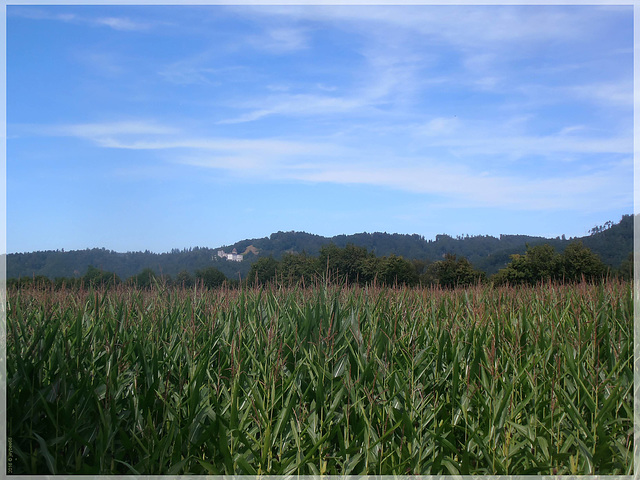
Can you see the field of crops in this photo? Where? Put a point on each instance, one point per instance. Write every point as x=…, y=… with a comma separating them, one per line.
x=322, y=380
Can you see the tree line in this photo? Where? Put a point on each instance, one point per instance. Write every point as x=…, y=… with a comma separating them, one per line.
x=353, y=264
x=357, y=265
x=610, y=241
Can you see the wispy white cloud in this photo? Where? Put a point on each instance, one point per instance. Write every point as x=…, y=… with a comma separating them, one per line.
x=440, y=126
x=121, y=23
x=394, y=41
x=387, y=71
x=610, y=94
x=189, y=75
x=149, y=135
x=249, y=117
x=105, y=63
x=278, y=87
x=461, y=186
x=240, y=147
x=462, y=26
x=515, y=137
x=37, y=13
x=199, y=68
x=325, y=161
x=546, y=145
x=326, y=88
x=280, y=40
x=571, y=129
x=298, y=105
x=382, y=80
x=96, y=131
x=114, y=22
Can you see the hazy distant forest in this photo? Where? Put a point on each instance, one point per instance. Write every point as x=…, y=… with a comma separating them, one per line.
x=381, y=258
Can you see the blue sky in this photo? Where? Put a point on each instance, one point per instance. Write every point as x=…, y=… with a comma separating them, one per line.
x=160, y=127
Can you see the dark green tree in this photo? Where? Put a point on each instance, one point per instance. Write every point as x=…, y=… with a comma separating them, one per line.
x=296, y=267
x=210, y=277
x=371, y=270
x=580, y=262
x=539, y=263
x=353, y=260
x=396, y=270
x=625, y=271
x=453, y=272
x=97, y=277
x=263, y=270
x=330, y=260
x=145, y=279
x=39, y=281
x=184, y=279
x=346, y=263
x=544, y=262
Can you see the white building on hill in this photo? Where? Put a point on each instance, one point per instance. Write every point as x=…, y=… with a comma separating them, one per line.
x=234, y=255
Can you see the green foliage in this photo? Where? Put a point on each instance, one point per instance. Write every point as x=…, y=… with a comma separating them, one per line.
x=397, y=271
x=210, y=277
x=263, y=270
x=97, y=277
x=295, y=267
x=538, y=264
x=38, y=281
x=542, y=263
x=345, y=263
x=349, y=265
x=613, y=242
x=145, y=279
x=184, y=279
x=625, y=271
x=578, y=261
x=453, y=272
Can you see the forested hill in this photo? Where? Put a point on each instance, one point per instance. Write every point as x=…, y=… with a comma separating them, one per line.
x=612, y=242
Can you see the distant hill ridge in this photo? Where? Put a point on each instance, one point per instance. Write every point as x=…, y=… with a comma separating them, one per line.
x=612, y=242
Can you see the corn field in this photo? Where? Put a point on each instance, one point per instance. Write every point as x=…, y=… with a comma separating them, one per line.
x=321, y=380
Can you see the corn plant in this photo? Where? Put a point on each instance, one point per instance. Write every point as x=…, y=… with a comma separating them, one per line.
x=324, y=379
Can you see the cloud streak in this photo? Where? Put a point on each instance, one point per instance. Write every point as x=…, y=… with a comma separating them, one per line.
x=299, y=105
x=325, y=161
x=463, y=187
x=116, y=23
x=394, y=41
x=280, y=40
x=462, y=26
x=98, y=131
x=121, y=23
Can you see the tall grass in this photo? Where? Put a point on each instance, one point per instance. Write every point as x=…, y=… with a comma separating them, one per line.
x=321, y=380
